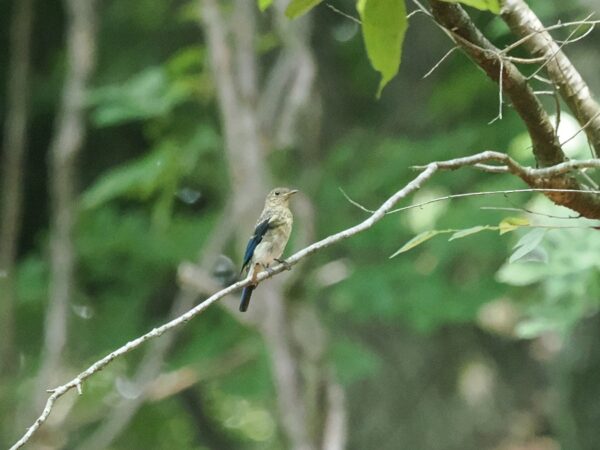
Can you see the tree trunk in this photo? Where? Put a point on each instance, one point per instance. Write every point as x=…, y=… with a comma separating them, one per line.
x=65, y=146
x=251, y=121
x=14, y=146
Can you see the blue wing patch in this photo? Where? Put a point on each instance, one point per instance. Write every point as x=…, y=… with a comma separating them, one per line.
x=259, y=232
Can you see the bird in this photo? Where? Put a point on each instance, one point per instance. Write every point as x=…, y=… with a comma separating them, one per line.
x=270, y=237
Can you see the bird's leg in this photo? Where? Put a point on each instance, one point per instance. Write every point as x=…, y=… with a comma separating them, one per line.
x=269, y=270
x=284, y=263
x=255, y=274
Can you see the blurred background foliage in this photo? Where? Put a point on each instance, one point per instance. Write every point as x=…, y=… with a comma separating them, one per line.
x=448, y=346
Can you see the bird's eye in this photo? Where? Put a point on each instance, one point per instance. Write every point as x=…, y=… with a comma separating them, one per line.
x=277, y=193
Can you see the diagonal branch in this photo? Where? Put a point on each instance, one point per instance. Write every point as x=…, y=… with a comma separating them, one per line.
x=386, y=206
x=546, y=146
x=427, y=173
x=573, y=89
x=453, y=18
x=120, y=415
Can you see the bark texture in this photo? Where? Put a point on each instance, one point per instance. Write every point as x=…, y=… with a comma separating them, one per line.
x=573, y=89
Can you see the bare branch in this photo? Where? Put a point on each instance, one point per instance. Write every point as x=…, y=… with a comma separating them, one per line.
x=120, y=415
x=500, y=99
x=483, y=194
x=442, y=59
x=549, y=58
x=573, y=89
x=378, y=214
x=457, y=23
x=557, y=26
x=584, y=127
x=346, y=15
x=58, y=392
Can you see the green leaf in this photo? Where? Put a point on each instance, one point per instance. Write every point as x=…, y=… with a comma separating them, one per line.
x=264, y=4
x=148, y=94
x=383, y=26
x=522, y=274
x=484, y=5
x=512, y=223
x=536, y=326
x=527, y=244
x=419, y=239
x=154, y=173
x=139, y=178
x=469, y=231
x=297, y=8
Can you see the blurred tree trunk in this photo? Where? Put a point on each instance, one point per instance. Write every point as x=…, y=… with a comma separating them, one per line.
x=65, y=146
x=14, y=145
x=311, y=407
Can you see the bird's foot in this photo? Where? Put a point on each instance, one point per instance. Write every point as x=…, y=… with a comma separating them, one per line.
x=284, y=263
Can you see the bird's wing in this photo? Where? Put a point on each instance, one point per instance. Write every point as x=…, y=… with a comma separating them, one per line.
x=259, y=232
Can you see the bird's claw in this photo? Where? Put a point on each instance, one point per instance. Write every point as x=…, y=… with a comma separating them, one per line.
x=284, y=263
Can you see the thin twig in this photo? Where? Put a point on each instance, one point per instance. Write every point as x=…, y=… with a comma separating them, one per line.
x=524, y=39
x=585, y=125
x=557, y=106
x=500, y=101
x=578, y=38
x=517, y=60
x=342, y=13
x=422, y=8
x=358, y=205
x=484, y=193
x=558, y=50
x=543, y=79
x=442, y=59
x=528, y=211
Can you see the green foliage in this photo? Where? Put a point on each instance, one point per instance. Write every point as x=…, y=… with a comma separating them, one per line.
x=155, y=135
x=506, y=225
x=512, y=223
x=264, y=4
x=173, y=433
x=430, y=286
x=485, y=5
x=32, y=280
x=145, y=256
x=384, y=24
x=419, y=239
x=561, y=267
x=146, y=95
x=527, y=244
x=297, y=8
x=353, y=361
x=160, y=171
x=468, y=232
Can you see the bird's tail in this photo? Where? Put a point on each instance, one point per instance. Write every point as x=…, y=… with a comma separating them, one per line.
x=246, y=294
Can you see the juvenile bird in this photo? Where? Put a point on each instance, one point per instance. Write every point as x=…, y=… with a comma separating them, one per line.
x=271, y=234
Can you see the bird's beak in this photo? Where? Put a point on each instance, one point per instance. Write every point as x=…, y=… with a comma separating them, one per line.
x=292, y=192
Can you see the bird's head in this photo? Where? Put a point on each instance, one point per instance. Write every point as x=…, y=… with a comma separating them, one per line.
x=280, y=196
